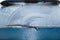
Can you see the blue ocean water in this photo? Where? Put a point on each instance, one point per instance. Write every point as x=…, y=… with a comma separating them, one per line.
x=29, y=34
x=47, y=15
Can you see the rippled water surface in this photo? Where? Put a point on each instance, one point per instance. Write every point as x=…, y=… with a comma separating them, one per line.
x=30, y=34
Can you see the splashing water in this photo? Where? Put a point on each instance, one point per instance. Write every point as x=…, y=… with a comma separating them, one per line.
x=40, y=14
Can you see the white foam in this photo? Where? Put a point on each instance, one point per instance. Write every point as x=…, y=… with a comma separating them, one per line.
x=47, y=15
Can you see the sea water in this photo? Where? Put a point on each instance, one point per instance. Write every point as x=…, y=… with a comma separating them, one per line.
x=30, y=14
x=29, y=34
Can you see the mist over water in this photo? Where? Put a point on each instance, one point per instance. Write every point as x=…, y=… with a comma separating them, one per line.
x=30, y=14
